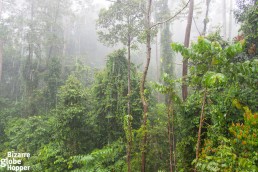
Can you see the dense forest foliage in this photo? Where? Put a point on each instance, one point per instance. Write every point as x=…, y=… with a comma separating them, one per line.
x=70, y=115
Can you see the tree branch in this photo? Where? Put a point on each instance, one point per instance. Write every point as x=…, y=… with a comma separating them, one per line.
x=156, y=24
x=197, y=27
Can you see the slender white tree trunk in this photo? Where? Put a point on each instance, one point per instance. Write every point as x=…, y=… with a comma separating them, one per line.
x=224, y=19
x=230, y=21
x=206, y=20
x=1, y=43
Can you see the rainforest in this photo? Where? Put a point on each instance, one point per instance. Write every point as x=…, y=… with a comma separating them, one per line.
x=129, y=85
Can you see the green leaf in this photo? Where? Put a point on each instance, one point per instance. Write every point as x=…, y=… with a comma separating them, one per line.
x=212, y=79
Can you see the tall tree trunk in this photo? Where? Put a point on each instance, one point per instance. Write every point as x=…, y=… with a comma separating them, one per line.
x=1, y=59
x=186, y=44
x=1, y=43
x=157, y=64
x=142, y=84
x=200, y=126
x=174, y=140
x=28, y=68
x=170, y=137
x=230, y=21
x=224, y=19
x=64, y=47
x=206, y=20
x=53, y=30
x=156, y=51
x=129, y=121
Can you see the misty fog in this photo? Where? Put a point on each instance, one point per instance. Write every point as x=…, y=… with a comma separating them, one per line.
x=128, y=85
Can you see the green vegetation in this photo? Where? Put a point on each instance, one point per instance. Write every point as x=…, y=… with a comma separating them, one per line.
x=72, y=117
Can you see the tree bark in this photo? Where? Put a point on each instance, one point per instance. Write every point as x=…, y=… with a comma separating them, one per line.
x=206, y=20
x=53, y=31
x=1, y=59
x=200, y=126
x=28, y=70
x=230, y=21
x=170, y=138
x=142, y=84
x=1, y=44
x=129, y=124
x=63, y=58
x=157, y=65
x=186, y=44
x=173, y=139
x=224, y=19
